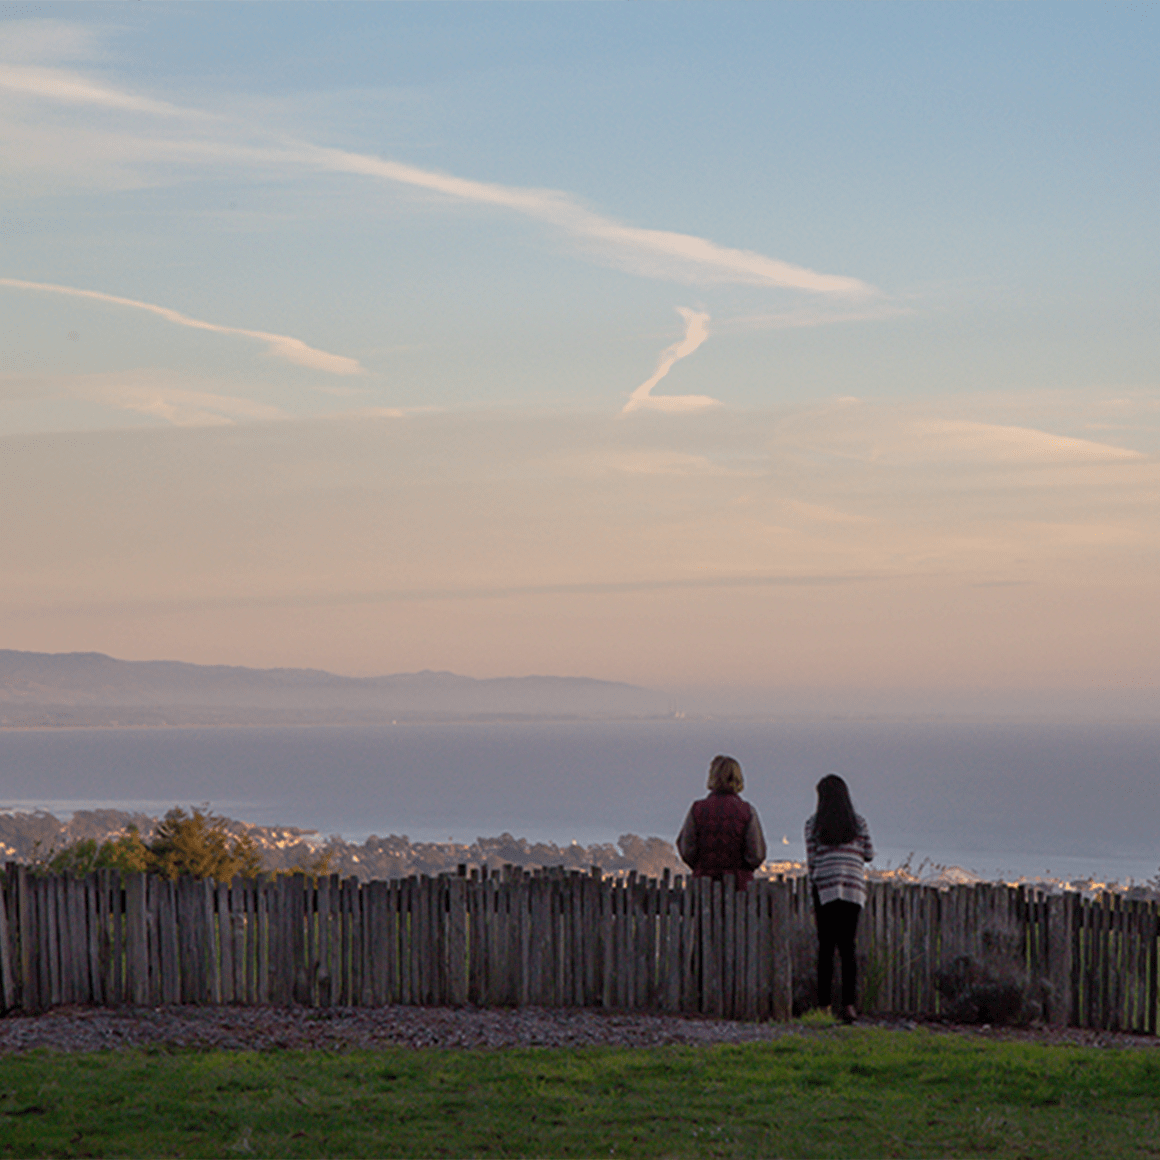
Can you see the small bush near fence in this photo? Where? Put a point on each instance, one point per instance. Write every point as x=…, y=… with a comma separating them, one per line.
x=973, y=993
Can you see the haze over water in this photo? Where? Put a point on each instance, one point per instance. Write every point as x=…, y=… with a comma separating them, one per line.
x=1000, y=799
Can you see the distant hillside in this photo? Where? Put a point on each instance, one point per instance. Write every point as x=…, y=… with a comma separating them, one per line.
x=94, y=689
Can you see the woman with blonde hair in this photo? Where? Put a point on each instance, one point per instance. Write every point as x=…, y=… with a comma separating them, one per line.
x=838, y=847
x=722, y=834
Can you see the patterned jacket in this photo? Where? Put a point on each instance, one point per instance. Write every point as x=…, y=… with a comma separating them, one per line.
x=839, y=872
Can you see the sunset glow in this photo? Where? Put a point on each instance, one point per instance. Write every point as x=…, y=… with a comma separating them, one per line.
x=711, y=347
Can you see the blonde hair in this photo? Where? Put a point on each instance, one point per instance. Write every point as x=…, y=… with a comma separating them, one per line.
x=725, y=775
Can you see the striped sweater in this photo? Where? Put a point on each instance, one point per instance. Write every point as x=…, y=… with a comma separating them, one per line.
x=839, y=872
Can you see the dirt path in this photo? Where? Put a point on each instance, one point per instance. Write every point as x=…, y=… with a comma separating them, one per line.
x=264, y=1028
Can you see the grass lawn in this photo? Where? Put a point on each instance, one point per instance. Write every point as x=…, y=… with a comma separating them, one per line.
x=839, y=1092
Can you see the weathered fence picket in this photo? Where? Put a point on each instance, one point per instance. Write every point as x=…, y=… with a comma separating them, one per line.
x=557, y=938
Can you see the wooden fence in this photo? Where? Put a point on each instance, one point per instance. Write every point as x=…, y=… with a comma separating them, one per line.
x=552, y=938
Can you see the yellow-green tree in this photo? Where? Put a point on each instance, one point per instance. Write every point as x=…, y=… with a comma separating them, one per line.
x=198, y=844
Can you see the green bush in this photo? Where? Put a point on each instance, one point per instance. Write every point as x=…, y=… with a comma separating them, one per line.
x=126, y=852
x=197, y=844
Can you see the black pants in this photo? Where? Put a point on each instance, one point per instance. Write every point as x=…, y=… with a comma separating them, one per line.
x=837, y=927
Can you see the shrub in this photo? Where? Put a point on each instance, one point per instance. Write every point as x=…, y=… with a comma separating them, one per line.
x=197, y=844
x=975, y=994
x=125, y=852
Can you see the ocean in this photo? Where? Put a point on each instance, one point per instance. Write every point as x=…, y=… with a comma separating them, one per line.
x=1002, y=800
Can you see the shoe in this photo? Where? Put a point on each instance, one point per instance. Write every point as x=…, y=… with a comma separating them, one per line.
x=849, y=1015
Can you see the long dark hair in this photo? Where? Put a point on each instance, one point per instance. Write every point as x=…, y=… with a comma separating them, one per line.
x=835, y=824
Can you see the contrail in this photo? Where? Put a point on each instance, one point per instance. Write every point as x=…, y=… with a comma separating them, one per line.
x=696, y=332
x=68, y=87
x=654, y=253
x=663, y=253
x=279, y=345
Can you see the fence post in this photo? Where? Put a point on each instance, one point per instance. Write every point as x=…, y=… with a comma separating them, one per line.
x=225, y=939
x=95, y=930
x=272, y=944
x=7, y=928
x=710, y=930
x=728, y=958
x=28, y=989
x=1059, y=965
x=523, y=895
x=326, y=969
x=781, y=1007
x=299, y=944
x=136, y=951
x=168, y=940
x=1152, y=934
x=212, y=970
x=457, y=948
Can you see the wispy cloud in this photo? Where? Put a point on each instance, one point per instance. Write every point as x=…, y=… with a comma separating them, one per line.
x=181, y=408
x=277, y=345
x=481, y=592
x=960, y=439
x=696, y=331
x=658, y=461
x=142, y=392
x=810, y=316
x=663, y=254
x=895, y=437
x=29, y=41
x=66, y=87
x=657, y=253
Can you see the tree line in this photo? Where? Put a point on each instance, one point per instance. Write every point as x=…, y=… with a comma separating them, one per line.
x=203, y=844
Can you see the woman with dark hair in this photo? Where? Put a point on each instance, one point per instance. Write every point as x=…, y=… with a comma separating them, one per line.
x=837, y=848
x=722, y=834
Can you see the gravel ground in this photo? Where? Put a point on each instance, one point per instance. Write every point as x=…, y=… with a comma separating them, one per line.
x=338, y=1028
x=263, y=1028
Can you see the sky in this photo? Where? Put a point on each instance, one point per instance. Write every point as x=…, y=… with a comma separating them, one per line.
x=723, y=346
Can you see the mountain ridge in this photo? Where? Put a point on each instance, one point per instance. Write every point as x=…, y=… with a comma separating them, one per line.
x=93, y=688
